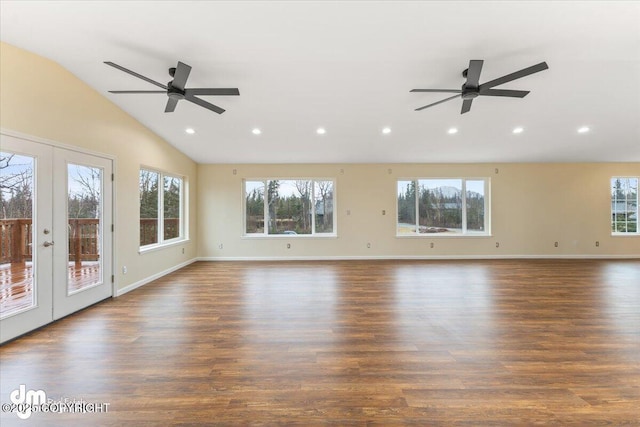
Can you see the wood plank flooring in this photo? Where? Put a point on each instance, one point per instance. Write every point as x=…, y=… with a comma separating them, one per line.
x=353, y=343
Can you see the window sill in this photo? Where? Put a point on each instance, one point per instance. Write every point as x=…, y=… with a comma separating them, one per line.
x=636, y=234
x=443, y=236
x=289, y=236
x=157, y=247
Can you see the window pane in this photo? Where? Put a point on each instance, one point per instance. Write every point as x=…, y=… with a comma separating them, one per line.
x=254, y=206
x=475, y=205
x=440, y=205
x=323, y=192
x=624, y=205
x=289, y=206
x=16, y=233
x=632, y=199
x=406, y=207
x=171, y=207
x=148, y=207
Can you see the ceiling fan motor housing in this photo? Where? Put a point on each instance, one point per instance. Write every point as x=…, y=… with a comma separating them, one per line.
x=470, y=92
x=174, y=92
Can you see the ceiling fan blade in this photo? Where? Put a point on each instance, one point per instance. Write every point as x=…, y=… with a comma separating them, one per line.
x=439, y=102
x=133, y=73
x=204, y=104
x=473, y=72
x=466, y=106
x=437, y=90
x=212, y=91
x=505, y=92
x=171, y=105
x=138, y=91
x=513, y=76
x=181, y=75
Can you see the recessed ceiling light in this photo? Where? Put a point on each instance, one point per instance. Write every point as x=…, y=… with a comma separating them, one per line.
x=321, y=131
x=519, y=129
x=451, y=131
x=584, y=129
x=256, y=131
x=386, y=130
x=190, y=131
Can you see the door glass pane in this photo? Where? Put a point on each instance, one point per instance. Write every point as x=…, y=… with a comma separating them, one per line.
x=171, y=203
x=84, y=211
x=16, y=235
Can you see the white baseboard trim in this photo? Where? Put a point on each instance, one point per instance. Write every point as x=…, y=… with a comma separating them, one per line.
x=418, y=257
x=153, y=277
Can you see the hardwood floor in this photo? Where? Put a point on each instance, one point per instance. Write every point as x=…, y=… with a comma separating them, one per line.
x=362, y=343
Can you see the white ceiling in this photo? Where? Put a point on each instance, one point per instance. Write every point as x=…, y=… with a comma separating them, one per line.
x=349, y=66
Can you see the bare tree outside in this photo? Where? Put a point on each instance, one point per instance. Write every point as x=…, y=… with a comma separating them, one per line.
x=16, y=186
x=324, y=206
x=85, y=185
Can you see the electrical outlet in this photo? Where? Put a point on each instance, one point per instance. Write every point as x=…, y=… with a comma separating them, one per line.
x=182, y=251
x=597, y=244
x=124, y=269
x=348, y=212
x=288, y=245
x=432, y=245
x=555, y=244
x=220, y=246
x=497, y=244
x=384, y=212
x=369, y=245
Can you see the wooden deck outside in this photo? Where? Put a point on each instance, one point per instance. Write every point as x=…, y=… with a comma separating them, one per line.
x=16, y=282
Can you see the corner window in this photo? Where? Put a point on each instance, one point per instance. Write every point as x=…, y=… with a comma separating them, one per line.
x=161, y=208
x=289, y=207
x=443, y=207
x=624, y=205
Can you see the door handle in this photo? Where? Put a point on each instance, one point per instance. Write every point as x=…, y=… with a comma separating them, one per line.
x=47, y=244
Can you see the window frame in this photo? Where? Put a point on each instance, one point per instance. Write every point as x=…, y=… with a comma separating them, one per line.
x=611, y=211
x=182, y=223
x=265, y=233
x=464, y=233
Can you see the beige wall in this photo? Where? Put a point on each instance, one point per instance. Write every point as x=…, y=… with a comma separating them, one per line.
x=40, y=98
x=533, y=206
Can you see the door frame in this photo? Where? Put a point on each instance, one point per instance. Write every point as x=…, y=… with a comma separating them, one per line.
x=114, y=165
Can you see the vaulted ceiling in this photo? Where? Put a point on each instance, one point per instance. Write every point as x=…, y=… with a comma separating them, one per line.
x=348, y=66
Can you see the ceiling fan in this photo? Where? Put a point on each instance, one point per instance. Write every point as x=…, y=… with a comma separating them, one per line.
x=175, y=89
x=472, y=89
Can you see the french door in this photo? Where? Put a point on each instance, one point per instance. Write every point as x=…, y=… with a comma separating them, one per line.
x=56, y=235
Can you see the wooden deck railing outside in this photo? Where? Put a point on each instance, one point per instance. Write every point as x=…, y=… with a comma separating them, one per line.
x=16, y=240
x=149, y=230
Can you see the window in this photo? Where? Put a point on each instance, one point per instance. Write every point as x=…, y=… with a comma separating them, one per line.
x=161, y=208
x=624, y=205
x=289, y=207
x=448, y=206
